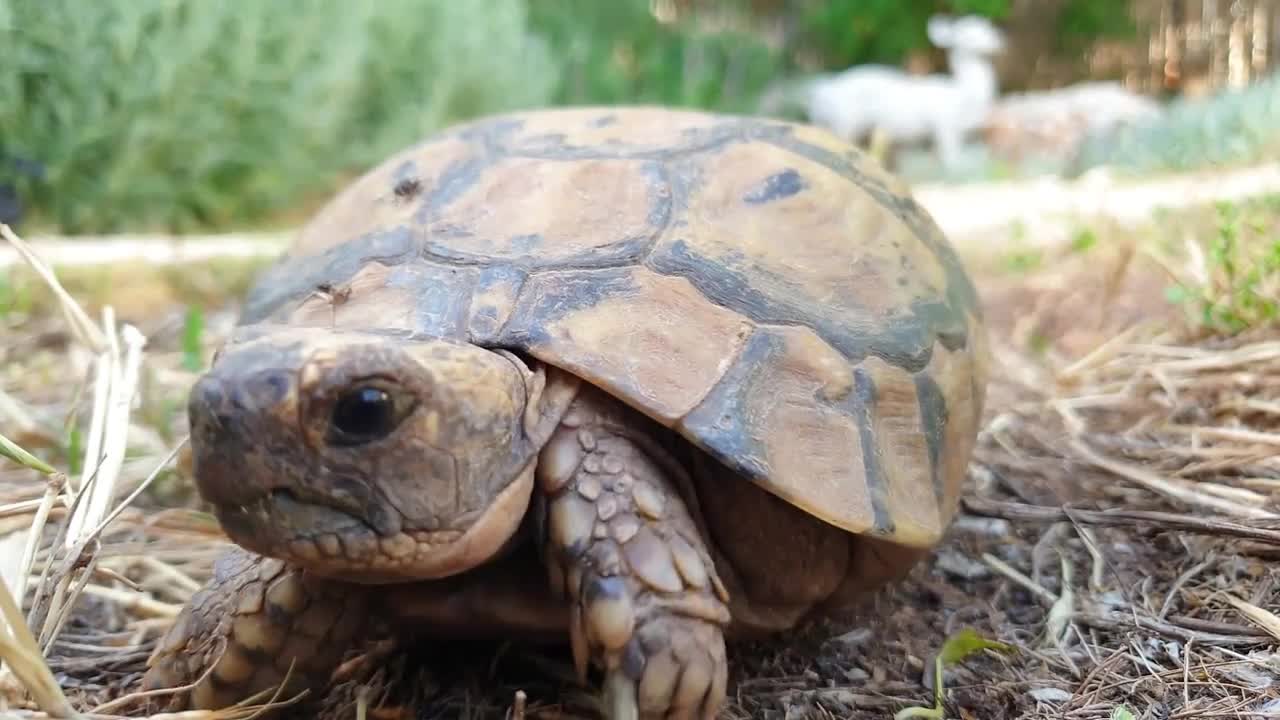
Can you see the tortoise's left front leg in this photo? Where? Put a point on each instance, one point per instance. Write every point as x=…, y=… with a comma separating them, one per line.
x=645, y=602
x=255, y=622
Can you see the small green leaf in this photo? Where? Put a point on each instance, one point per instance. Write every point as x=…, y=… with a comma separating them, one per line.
x=918, y=711
x=74, y=449
x=1177, y=294
x=10, y=449
x=192, y=333
x=967, y=642
x=1020, y=261
x=1084, y=240
x=1120, y=712
x=956, y=648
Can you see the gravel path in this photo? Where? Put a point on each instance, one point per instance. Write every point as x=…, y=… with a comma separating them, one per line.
x=1041, y=212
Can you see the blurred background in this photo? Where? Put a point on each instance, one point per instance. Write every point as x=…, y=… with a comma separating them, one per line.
x=182, y=116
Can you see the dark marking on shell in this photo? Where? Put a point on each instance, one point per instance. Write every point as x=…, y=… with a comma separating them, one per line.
x=865, y=396
x=453, y=182
x=933, y=423
x=604, y=121
x=905, y=340
x=661, y=199
x=442, y=297
x=407, y=188
x=719, y=422
x=960, y=289
x=684, y=177
x=624, y=253
x=776, y=187
x=487, y=317
x=551, y=295
x=293, y=278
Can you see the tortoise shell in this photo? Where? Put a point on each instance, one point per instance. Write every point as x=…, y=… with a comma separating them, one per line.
x=759, y=287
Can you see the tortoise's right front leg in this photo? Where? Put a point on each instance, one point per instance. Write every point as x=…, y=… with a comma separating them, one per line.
x=646, y=603
x=255, y=618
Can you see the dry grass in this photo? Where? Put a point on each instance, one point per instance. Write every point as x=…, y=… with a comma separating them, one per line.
x=1121, y=531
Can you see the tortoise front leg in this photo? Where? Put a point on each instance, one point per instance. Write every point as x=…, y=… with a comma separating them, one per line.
x=645, y=602
x=254, y=619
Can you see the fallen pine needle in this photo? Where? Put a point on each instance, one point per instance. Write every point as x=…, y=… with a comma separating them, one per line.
x=1122, y=517
x=1261, y=617
x=139, y=602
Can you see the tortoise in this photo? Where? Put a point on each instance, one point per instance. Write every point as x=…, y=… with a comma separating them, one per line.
x=631, y=379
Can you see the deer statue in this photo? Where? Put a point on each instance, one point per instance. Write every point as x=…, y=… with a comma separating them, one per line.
x=901, y=107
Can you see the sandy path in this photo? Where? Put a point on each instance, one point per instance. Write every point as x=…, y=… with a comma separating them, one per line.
x=1042, y=212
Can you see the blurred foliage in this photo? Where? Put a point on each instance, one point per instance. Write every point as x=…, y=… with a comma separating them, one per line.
x=1231, y=128
x=849, y=32
x=177, y=113
x=1236, y=285
x=618, y=52
x=841, y=33
x=1082, y=22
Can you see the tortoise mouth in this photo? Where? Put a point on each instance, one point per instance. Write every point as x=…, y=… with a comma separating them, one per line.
x=325, y=537
x=282, y=524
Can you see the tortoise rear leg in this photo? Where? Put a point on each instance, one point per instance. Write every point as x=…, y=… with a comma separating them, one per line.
x=645, y=603
x=254, y=619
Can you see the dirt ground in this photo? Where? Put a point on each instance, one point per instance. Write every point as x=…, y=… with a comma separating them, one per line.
x=1121, y=531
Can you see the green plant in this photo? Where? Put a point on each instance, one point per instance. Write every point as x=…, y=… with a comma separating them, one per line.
x=1023, y=260
x=12, y=451
x=1084, y=240
x=1235, y=127
x=619, y=52
x=193, y=339
x=955, y=650
x=15, y=294
x=849, y=32
x=1239, y=287
x=181, y=113
x=1082, y=22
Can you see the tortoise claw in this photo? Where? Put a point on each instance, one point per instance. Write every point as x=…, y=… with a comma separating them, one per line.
x=676, y=668
x=620, y=697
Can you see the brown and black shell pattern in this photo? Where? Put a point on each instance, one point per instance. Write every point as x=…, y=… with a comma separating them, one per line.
x=758, y=286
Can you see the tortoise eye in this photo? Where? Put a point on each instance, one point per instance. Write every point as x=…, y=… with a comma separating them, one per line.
x=363, y=415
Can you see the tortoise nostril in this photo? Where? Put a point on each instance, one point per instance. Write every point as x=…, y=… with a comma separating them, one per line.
x=213, y=400
x=207, y=401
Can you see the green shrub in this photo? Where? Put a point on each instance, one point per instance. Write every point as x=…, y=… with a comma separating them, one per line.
x=182, y=113
x=1240, y=286
x=1232, y=128
x=618, y=52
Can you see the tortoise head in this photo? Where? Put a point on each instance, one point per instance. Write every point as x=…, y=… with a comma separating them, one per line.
x=370, y=457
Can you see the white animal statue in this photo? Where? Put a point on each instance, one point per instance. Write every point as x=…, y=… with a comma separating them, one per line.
x=904, y=108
